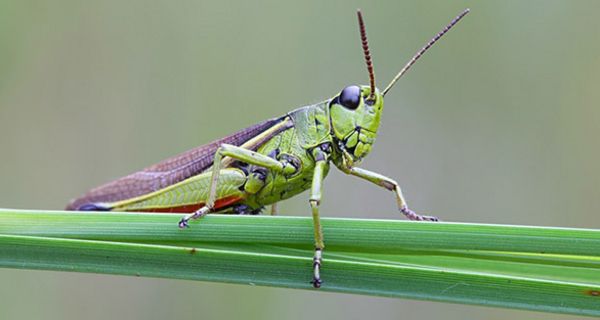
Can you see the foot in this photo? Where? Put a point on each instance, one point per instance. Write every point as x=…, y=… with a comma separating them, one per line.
x=184, y=222
x=316, y=283
x=411, y=215
x=317, y=260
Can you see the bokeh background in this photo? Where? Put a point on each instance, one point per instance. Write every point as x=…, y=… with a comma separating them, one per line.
x=499, y=123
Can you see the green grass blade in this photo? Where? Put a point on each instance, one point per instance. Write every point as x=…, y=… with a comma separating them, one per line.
x=544, y=269
x=342, y=234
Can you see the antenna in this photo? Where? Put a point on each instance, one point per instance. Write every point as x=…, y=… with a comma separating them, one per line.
x=365, y=46
x=423, y=50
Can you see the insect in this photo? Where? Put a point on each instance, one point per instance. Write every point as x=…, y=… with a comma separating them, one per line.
x=267, y=162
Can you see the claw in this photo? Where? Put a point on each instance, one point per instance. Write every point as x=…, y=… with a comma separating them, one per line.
x=316, y=283
x=183, y=223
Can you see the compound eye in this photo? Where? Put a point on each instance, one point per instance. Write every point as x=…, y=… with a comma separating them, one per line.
x=350, y=97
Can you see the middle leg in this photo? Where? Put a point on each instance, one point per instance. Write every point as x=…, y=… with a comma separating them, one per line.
x=315, y=201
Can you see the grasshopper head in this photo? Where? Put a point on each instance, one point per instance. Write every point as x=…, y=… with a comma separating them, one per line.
x=355, y=116
x=356, y=112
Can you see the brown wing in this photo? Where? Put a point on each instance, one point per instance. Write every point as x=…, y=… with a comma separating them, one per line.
x=172, y=170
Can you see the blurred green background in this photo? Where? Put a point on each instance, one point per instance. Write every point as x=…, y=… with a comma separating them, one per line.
x=499, y=123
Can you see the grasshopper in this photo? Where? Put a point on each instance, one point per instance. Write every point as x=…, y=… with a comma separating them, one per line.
x=267, y=162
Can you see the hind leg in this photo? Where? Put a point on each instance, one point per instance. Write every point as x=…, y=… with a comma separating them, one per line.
x=240, y=154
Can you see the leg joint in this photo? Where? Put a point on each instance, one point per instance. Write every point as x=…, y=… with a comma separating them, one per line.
x=318, y=253
x=225, y=147
x=389, y=184
x=314, y=202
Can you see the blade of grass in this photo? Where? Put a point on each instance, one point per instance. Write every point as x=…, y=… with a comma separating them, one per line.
x=342, y=234
x=477, y=264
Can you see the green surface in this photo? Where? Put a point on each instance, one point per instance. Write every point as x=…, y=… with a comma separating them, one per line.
x=544, y=269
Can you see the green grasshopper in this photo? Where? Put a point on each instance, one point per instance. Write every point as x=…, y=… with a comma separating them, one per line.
x=267, y=162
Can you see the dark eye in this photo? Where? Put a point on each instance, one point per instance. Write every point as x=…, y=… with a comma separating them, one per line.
x=350, y=97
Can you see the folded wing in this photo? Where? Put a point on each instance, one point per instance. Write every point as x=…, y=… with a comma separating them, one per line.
x=167, y=172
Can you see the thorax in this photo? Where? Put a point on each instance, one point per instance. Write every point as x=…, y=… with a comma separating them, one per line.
x=311, y=129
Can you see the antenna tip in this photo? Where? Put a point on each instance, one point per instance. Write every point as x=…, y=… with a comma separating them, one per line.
x=425, y=48
x=461, y=15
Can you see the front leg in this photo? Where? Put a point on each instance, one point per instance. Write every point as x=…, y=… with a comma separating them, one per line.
x=391, y=185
